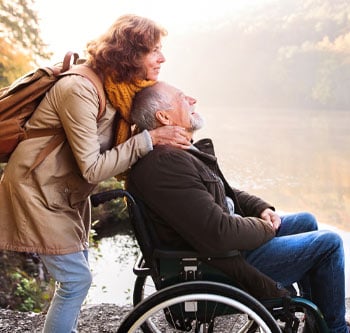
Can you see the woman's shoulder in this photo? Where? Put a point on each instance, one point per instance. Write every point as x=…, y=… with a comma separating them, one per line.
x=72, y=91
x=75, y=83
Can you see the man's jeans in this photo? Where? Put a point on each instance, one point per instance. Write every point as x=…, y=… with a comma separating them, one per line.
x=73, y=278
x=314, y=259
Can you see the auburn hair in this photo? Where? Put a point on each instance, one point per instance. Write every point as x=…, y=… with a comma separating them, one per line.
x=119, y=52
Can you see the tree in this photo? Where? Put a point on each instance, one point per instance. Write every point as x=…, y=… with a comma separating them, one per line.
x=20, y=43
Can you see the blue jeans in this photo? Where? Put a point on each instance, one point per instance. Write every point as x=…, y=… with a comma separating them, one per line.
x=73, y=280
x=312, y=258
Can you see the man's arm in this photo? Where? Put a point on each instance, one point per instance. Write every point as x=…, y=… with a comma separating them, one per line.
x=251, y=205
x=171, y=186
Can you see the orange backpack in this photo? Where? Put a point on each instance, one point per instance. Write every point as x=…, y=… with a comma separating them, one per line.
x=19, y=100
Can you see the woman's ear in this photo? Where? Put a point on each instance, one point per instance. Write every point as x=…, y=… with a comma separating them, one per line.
x=163, y=117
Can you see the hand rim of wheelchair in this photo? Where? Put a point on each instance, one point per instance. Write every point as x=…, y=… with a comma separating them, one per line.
x=197, y=291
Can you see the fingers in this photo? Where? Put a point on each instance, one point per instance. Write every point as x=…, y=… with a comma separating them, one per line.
x=271, y=217
x=266, y=215
x=181, y=138
x=276, y=220
x=171, y=135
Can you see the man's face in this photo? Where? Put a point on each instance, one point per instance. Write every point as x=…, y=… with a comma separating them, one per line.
x=183, y=110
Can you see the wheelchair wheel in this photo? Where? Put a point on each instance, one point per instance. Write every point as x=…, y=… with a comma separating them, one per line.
x=199, y=307
x=143, y=287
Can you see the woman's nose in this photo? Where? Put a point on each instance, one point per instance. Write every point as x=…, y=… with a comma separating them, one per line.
x=161, y=57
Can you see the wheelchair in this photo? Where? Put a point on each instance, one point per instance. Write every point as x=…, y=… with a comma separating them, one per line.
x=179, y=291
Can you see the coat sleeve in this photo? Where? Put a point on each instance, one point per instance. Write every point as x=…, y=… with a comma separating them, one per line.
x=173, y=189
x=245, y=203
x=250, y=205
x=77, y=107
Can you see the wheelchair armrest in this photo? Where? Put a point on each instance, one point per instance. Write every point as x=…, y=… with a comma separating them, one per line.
x=140, y=268
x=102, y=197
x=172, y=254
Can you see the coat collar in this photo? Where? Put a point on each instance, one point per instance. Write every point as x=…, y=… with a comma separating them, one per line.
x=204, y=150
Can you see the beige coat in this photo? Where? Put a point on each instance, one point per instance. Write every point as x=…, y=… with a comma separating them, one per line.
x=48, y=211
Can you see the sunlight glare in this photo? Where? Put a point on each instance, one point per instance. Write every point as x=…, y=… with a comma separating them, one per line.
x=67, y=24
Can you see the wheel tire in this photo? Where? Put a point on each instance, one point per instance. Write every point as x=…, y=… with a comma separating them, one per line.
x=169, y=307
x=142, y=291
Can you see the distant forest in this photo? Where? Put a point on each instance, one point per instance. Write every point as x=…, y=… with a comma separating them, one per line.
x=287, y=54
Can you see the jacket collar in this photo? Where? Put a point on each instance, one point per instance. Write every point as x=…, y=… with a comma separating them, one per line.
x=204, y=150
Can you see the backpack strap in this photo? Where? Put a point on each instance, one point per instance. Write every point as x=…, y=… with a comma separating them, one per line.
x=67, y=60
x=57, y=139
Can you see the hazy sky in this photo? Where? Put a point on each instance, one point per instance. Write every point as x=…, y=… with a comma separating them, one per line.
x=274, y=53
x=68, y=24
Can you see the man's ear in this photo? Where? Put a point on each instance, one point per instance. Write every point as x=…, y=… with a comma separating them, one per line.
x=163, y=117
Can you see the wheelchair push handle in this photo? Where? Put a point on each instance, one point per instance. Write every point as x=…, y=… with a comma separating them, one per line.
x=102, y=197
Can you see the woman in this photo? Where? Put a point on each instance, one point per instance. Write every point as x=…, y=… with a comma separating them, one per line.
x=47, y=210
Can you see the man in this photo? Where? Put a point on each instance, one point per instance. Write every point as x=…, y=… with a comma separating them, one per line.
x=193, y=206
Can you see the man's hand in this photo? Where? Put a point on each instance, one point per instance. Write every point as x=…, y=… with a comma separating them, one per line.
x=171, y=135
x=271, y=217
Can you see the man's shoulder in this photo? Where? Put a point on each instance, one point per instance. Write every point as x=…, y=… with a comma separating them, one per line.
x=166, y=152
x=203, y=145
x=163, y=162
x=164, y=156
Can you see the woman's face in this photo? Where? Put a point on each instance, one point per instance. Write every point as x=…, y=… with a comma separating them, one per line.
x=153, y=61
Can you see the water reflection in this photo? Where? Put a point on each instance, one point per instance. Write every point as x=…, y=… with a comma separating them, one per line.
x=111, y=264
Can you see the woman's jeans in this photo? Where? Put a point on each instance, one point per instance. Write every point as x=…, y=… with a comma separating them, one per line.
x=315, y=259
x=73, y=280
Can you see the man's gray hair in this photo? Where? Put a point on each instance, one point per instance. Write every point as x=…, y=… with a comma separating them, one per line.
x=145, y=105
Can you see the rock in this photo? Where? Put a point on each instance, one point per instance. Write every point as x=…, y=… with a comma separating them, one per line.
x=98, y=318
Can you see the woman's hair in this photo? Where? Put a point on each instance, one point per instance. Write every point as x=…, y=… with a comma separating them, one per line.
x=145, y=105
x=120, y=51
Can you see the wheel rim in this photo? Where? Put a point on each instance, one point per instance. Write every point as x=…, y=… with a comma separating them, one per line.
x=199, y=297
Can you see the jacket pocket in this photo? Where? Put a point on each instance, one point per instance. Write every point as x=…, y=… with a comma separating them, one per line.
x=215, y=186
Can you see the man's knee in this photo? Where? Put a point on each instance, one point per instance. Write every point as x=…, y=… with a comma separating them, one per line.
x=308, y=220
x=331, y=245
x=332, y=238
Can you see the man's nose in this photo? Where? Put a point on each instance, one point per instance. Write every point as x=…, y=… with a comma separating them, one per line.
x=192, y=100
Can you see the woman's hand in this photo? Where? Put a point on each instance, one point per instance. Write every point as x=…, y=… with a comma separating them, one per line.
x=171, y=135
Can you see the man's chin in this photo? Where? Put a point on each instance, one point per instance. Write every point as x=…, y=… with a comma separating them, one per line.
x=197, y=124
x=197, y=121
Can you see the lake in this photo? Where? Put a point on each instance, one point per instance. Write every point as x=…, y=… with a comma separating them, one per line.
x=298, y=160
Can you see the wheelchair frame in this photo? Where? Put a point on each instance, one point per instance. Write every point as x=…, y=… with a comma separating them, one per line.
x=186, y=288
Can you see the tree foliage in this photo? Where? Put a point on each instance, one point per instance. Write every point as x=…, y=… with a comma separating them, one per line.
x=20, y=43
